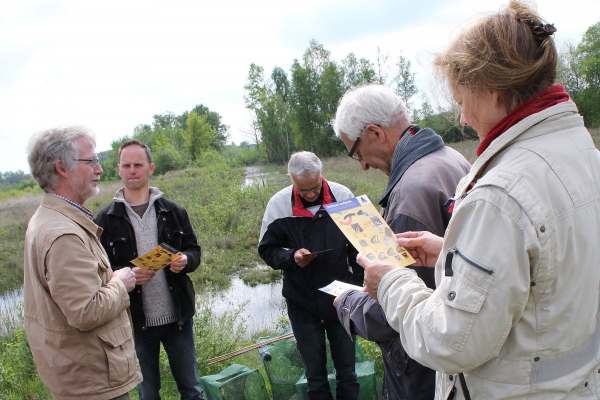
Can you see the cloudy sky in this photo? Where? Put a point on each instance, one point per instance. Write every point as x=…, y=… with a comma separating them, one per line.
x=112, y=65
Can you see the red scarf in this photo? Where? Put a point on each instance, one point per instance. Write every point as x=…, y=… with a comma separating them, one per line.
x=298, y=209
x=545, y=99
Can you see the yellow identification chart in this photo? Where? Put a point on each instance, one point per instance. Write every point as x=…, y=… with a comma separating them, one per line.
x=367, y=230
x=157, y=258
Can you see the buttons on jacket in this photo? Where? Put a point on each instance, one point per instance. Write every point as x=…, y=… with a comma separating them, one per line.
x=451, y=378
x=536, y=359
x=451, y=295
x=542, y=229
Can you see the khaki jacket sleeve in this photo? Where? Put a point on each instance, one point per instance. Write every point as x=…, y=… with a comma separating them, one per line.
x=79, y=282
x=482, y=288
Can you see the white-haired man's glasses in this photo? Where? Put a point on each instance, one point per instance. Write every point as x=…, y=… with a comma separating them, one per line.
x=92, y=161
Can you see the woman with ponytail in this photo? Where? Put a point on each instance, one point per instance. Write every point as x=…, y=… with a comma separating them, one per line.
x=515, y=312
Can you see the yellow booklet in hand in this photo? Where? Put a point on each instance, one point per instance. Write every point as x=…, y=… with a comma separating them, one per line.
x=366, y=229
x=157, y=258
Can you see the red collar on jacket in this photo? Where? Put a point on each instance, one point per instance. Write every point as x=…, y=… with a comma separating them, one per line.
x=298, y=209
x=546, y=98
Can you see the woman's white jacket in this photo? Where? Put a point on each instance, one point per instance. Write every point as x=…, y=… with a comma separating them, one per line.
x=518, y=278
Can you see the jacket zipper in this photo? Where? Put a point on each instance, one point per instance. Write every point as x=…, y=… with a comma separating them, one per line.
x=455, y=250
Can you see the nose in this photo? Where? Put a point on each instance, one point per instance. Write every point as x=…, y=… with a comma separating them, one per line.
x=364, y=165
x=311, y=195
x=99, y=169
x=462, y=120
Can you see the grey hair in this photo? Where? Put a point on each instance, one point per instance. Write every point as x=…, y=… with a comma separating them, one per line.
x=46, y=147
x=303, y=164
x=368, y=104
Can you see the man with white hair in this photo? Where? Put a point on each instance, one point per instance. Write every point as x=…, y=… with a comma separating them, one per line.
x=295, y=226
x=373, y=123
x=76, y=307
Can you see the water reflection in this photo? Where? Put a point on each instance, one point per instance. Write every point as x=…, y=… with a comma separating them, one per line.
x=10, y=315
x=255, y=177
x=265, y=304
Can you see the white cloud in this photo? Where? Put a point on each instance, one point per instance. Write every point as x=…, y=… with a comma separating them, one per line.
x=111, y=65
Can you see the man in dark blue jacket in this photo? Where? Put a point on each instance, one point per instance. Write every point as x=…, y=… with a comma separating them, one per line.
x=294, y=227
x=163, y=302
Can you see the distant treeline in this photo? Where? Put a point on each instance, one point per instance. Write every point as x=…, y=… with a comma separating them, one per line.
x=16, y=180
x=293, y=111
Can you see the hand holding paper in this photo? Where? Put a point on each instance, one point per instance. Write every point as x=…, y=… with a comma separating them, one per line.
x=366, y=229
x=178, y=263
x=303, y=257
x=336, y=288
x=143, y=276
x=374, y=271
x=157, y=258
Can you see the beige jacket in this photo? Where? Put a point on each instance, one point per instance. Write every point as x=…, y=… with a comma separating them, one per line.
x=516, y=304
x=76, y=318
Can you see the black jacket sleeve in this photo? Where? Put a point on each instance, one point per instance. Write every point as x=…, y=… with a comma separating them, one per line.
x=272, y=249
x=189, y=245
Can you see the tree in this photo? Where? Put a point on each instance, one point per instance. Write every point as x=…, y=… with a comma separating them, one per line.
x=281, y=97
x=357, y=72
x=214, y=119
x=256, y=88
x=405, y=81
x=304, y=106
x=568, y=70
x=167, y=120
x=588, y=52
x=426, y=108
x=317, y=85
x=267, y=100
x=381, y=67
x=144, y=133
x=198, y=135
x=587, y=63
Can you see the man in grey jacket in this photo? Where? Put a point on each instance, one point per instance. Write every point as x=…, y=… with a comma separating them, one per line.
x=373, y=123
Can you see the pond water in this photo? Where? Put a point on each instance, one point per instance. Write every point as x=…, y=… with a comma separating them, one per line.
x=256, y=177
x=9, y=309
x=263, y=304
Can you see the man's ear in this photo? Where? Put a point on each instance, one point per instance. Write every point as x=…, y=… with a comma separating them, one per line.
x=379, y=133
x=151, y=169
x=62, y=171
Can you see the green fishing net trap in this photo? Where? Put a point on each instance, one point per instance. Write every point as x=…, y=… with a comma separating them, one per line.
x=236, y=382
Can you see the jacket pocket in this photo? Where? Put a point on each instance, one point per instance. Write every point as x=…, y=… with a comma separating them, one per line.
x=458, y=299
x=174, y=238
x=120, y=250
x=120, y=354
